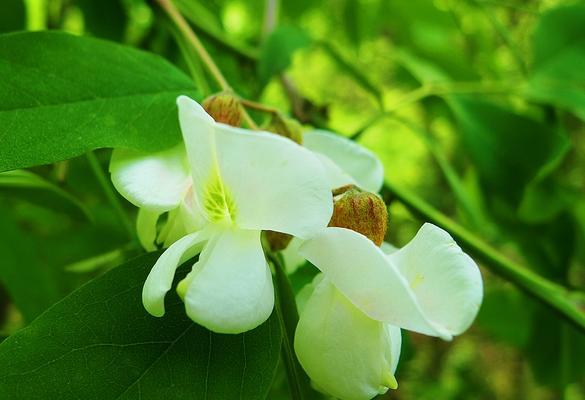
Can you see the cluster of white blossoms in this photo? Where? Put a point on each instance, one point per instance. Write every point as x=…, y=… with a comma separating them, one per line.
x=225, y=185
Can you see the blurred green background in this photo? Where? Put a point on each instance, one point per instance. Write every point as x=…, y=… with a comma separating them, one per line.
x=475, y=105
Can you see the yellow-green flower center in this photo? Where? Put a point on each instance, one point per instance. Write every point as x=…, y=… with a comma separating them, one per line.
x=217, y=201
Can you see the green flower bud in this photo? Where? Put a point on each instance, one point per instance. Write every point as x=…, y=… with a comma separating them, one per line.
x=276, y=240
x=287, y=127
x=224, y=107
x=360, y=211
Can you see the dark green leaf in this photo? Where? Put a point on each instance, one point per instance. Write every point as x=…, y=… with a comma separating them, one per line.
x=99, y=343
x=557, y=75
x=29, y=187
x=277, y=51
x=497, y=141
x=104, y=18
x=28, y=282
x=558, y=344
x=65, y=95
x=12, y=16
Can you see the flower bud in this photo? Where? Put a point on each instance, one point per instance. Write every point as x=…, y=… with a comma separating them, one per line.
x=360, y=211
x=276, y=240
x=224, y=107
x=287, y=127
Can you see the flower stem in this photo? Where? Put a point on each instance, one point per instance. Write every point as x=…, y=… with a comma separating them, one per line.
x=570, y=305
x=190, y=36
x=110, y=194
x=288, y=317
x=187, y=32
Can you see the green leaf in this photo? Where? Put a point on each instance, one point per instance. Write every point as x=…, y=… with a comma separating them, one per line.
x=29, y=283
x=276, y=52
x=12, y=17
x=66, y=95
x=557, y=75
x=99, y=343
x=497, y=141
x=30, y=187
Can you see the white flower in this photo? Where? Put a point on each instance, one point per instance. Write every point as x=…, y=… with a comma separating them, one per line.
x=346, y=163
x=242, y=182
x=348, y=336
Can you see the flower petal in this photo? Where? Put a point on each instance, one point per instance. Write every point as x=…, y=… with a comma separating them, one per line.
x=361, y=271
x=230, y=289
x=146, y=228
x=160, y=278
x=342, y=350
x=156, y=181
x=394, y=339
x=446, y=282
x=353, y=160
x=259, y=180
x=388, y=248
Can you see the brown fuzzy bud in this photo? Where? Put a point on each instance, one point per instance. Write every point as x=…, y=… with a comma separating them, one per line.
x=276, y=240
x=224, y=107
x=287, y=127
x=361, y=212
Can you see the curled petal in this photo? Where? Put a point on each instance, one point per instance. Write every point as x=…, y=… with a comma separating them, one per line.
x=230, y=289
x=446, y=281
x=361, y=271
x=160, y=278
x=156, y=182
x=346, y=161
x=342, y=350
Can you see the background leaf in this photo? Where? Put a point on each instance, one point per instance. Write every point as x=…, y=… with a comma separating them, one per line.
x=12, y=17
x=68, y=95
x=102, y=331
x=558, y=75
x=29, y=283
x=276, y=52
x=30, y=187
x=496, y=139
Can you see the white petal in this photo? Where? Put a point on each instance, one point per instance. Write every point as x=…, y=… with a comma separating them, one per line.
x=356, y=161
x=182, y=220
x=155, y=181
x=361, y=271
x=146, y=223
x=342, y=350
x=446, y=281
x=160, y=279
x=388, y=248
x=231, y=288
x=198, y=130
x=394, y=339
x=258, y=180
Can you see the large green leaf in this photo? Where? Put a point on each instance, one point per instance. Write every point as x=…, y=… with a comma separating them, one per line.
x=557, y=75
x=63, y=95
x=99, y=343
